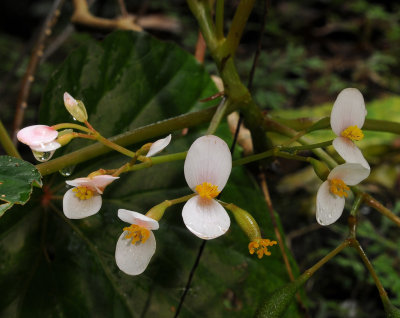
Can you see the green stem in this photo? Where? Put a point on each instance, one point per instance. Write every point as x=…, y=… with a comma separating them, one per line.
x=129, y=138
x=158, y=160
x=7, y=143
x=71, y=126
x=238, y=24
x=182, y=199
x=116, y=147
x=309, y=272
x=219, y=19
x=372, y=202
x=382, y=292
x=308, y=147
x=271, y=125
x=309, y=124
x=219, y=114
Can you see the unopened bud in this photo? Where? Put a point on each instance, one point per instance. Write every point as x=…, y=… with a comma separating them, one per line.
x=75, y=107
x=245, y=221
x=65, y=136
x=320, y=169
x=157, y=212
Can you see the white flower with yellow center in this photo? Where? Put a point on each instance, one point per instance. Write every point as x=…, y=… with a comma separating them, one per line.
x=137, y=243
x=207, y=168
x=332, y=193
x=85, y=198
x=347, y=118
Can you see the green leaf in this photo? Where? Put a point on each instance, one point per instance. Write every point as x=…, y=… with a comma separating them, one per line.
x=16, y=180
x=53, y=266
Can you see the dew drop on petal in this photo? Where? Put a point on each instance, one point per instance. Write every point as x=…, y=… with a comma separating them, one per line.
x=43, y=156
x=67, y=171
x=330, y=215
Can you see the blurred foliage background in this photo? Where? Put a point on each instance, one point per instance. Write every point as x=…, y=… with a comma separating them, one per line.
x=311, y=49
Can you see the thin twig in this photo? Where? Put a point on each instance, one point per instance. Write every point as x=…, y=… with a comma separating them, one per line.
x=7, y=143
x=22, y=101
x=259, y=46
x=122, y=8
x=191, y=275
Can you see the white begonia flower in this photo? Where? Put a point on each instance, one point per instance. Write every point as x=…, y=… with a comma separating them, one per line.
x=39, y=138
x=137, y=243
x=332, y=193
x=85, y=198
x=347, y=118
x=158, y=145
x=207, y=168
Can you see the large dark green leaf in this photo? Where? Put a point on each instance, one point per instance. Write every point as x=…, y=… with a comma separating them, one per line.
x=55, y=267
x=16, y=181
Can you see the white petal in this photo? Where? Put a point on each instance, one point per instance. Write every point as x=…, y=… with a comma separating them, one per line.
x=132, y=217
x=133, y=259
x=36, y=135
x=208, y=160
x=206, y=219
x=75, y=208
x=349, y=151
x=348, y=110
x=329, y=206
x=350, y=173
x=78, y=182
x=159, y=145
x=100, y=182
x=97, y=183
x=50, y=146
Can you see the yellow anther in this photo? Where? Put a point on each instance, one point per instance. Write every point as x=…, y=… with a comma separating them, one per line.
x=353, y=133
x=83, y=193
x=339, y=188
x=137, y=233
x=207, y=190
x=260, y=247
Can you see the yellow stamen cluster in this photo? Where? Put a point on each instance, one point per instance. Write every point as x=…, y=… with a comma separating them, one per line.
x=260, y=246
x=339, y=188
x=353, y=133
x=137, y=233
x=207, y=190
x=83, y=193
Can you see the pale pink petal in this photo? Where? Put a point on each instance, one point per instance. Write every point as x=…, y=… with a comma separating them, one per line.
x=350, y=173
x=159, y=145
x=100, y=182
x=205, y=218
x=78, y=182
x=97, y=183
x=50, y=146
x=349, y=151
x=69, y=100
x=133, y=259
x=36, y=135
x=208, y=160
x=348, y=110
x=132, y=217
x=329, y=206
x=75, y=208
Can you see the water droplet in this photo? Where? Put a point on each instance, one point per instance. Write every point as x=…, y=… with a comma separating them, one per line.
x=67, y=171
x=74, y=118
x=330, y=215
x=43, y=156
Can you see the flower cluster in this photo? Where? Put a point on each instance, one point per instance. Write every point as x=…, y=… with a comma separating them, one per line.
x=207, y=168
x=347, y=118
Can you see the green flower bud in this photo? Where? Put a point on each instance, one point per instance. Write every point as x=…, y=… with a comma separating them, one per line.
x=75, y=107
x=65, y=136
x=157, y=212
x=320, y=169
